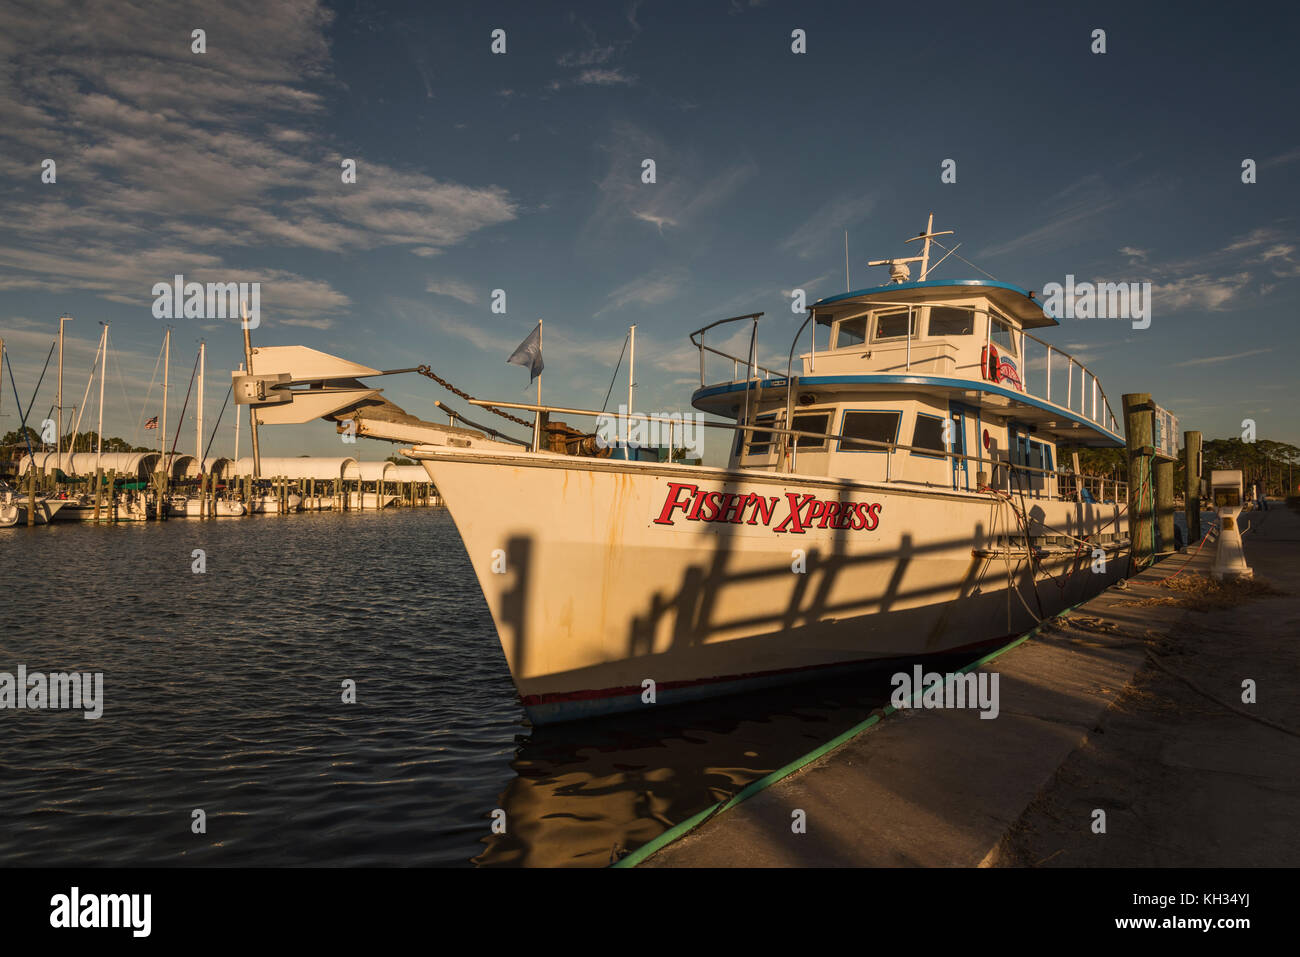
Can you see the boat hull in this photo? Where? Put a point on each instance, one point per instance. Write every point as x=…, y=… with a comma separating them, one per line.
x=15, y=511
x=191, y=508
x=269, y=504
x=604, y=576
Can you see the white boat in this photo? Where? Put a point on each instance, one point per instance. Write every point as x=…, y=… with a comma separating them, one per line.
x=14, y=508
x=370, y=500
x=266, y=503
x=318, y=503
x=183, y=506
x=897, y=496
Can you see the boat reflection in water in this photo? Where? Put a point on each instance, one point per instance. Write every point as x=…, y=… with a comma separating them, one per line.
x=590, y=792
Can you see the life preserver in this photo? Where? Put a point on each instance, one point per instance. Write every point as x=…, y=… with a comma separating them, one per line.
x=990, y=364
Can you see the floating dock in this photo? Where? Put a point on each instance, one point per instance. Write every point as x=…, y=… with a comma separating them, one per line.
x=1131, y=704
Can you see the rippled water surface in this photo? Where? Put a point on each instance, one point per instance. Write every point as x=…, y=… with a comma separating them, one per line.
x=223, y=692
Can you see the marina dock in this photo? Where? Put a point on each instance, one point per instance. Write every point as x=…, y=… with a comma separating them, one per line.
x=1130, y=703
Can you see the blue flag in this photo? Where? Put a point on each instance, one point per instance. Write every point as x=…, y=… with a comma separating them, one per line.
x=529, y=354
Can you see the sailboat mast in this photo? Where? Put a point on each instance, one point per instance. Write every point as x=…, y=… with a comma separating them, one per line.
x=59, y=455
x=198, y=422
x=162, y=432
x=241, y=372
x=252, y=411
x=103, y=372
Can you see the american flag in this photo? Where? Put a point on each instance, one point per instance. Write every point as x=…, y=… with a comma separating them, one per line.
x=152, y=423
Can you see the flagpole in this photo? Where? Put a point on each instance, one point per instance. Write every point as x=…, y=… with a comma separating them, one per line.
x=537, y=416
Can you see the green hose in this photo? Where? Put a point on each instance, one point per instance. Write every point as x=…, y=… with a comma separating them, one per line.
x=691, y=823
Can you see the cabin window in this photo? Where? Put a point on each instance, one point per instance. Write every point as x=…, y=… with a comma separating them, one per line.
x=852, y=332
x=928, y=433
x=1039, y=456
x=951, y=321
x=761, y=443
x=895, y=325
x=870, y=426
x=811, y=422
x=1003, y=336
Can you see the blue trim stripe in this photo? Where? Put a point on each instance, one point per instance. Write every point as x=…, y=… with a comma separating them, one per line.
x=930, y=284
x=921, y=380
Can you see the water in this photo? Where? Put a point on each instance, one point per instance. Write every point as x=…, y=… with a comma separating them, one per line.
x=223, y=693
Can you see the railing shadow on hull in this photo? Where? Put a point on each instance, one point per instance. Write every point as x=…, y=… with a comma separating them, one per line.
x=997, y=597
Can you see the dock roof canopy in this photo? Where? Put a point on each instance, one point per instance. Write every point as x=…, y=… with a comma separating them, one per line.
x=410, y=473
x=139, y=464
x=304, y=467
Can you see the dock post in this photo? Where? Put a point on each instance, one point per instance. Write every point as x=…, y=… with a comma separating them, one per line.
x=99, y=492
x=31, y=497
x=1139, y=426
x=1192, y=485
x=1164, y=476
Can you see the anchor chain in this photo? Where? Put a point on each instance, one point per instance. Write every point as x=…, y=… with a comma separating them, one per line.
x=429, y=373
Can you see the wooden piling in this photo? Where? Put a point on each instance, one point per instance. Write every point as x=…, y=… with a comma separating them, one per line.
x=1192, y=485
x=31, y=497
x=1164, y=479
x=99, y=492
x=1139, y=427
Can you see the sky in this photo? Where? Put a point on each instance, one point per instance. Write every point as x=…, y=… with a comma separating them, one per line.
x=522, y=171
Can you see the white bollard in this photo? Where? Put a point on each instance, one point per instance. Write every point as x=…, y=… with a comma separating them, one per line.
x=1229, y=559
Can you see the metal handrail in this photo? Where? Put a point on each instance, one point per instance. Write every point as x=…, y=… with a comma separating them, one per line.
x=749, y=362
x=888, y=447
x=1108, y=421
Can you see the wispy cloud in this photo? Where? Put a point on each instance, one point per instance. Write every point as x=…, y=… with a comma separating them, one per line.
x=686, y=188
x=645, y=291
x=453, y=288
x=1214, y=360
x=824, y=227
x=1085, y=201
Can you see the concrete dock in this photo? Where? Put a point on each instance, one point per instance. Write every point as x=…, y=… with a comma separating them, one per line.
x=1131, y=704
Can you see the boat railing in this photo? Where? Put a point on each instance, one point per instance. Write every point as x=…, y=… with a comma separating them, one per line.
x=1087, y=398
x=748, y=363
x=1003, y=474
x=1081, y=393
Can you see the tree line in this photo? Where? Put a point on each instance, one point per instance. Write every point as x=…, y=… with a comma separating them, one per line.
x=1276, y=464
x=14, y=444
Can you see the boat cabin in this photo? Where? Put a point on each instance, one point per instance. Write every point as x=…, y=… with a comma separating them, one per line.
x=936, y=383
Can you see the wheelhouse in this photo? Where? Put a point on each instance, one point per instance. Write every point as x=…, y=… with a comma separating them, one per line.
x=929, y=383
